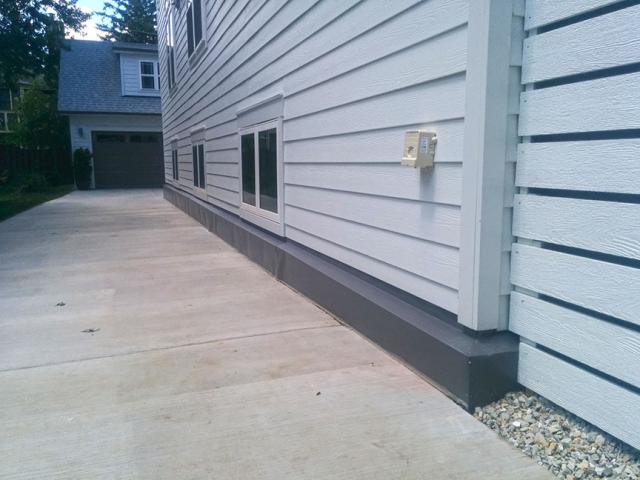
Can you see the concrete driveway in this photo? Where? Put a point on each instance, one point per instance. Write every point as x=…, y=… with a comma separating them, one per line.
x=135, y=344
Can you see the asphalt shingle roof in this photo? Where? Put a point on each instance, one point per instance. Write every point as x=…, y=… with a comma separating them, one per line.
x=90, y=79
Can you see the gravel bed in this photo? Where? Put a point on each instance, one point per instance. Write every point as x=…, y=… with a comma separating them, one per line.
x=568, y=446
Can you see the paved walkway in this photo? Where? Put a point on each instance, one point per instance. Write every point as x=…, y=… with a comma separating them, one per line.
x=135, y=344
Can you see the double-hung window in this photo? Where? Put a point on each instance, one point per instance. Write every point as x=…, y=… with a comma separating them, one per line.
x=149, y=75
x=174, y=163
x=260, y=160
x=8, y=119
x=199, y=174
x=194, y=25
x=171, y=61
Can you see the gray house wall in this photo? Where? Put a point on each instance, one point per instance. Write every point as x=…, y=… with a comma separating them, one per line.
x=353, y=76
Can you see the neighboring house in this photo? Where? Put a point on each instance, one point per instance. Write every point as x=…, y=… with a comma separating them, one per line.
x=111, y=93
x=8, y=116
x=286, y=133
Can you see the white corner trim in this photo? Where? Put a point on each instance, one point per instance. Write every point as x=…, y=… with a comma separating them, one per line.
x=483, y=167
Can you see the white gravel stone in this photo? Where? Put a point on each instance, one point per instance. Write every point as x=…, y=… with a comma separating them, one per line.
x=568, y=446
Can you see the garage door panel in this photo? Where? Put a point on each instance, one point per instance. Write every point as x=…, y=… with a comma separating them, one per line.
x=128, y=159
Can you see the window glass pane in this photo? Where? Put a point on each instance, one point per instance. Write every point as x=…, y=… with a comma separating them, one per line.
x=190, y=29
x=110, y=138
x=194, y=154
x=175, y=164
x=201, y=165
x=146, y=68
x=144, y=138
x=248, y=169
x=267, y=141
x=172, y=65
x=197, y=22
x=148, y=82
x=12, y=120
x=5, y=99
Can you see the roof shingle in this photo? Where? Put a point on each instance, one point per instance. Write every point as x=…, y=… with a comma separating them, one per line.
x=89, y=79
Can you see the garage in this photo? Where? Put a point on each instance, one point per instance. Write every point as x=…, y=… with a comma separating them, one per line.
x=128, y=159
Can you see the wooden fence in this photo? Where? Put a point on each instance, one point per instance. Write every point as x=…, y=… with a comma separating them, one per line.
x=576, y=263
x=55, y=164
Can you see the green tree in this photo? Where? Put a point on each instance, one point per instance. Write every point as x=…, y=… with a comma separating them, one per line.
x=31, y=35
x=39, y=125
x=129, y=21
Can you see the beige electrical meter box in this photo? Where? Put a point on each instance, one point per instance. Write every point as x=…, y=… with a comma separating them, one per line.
x=419, y=148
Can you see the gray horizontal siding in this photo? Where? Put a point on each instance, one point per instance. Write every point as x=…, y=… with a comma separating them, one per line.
x=354, y=76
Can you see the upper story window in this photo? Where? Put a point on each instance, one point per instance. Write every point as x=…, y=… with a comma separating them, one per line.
x=149, y=75
x=171, y=61
x=194, y=26
x=8, y=119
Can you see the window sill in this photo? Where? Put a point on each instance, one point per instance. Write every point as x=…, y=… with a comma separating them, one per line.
x=199, y=192
x=197, y=54
x=250, y=215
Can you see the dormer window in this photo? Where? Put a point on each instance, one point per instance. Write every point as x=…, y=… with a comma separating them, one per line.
x=149, y=79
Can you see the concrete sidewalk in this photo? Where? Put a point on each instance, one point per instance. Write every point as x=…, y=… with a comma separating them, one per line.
x=135, y=344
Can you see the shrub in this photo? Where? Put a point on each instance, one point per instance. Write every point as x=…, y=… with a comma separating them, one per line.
x=82, y=168
x=31, y=182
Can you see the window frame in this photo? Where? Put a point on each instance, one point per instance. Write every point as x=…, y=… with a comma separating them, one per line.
x=264, y=218
x=199, y=166
x=5, y=113
x=155, y=75
x=175, y=164
x=194, y=48
x=170, y=49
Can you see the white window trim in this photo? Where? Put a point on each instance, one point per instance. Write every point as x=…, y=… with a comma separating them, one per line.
x=263, y=218
x=156, y=77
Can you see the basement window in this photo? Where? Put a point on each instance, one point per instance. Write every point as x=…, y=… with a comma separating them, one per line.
x=199, y=174
x=174, y=164
x=261, y=159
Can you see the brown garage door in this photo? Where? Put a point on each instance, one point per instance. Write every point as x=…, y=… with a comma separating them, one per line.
x=127, y=159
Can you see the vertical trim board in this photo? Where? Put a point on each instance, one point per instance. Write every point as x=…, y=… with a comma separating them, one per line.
x=488, y=86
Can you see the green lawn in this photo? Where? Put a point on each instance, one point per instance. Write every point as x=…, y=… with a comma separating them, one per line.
x=12, y=201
